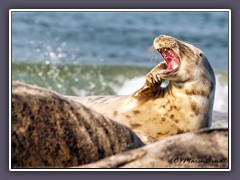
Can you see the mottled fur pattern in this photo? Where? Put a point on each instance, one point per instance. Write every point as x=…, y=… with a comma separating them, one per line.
x=207, y=148
x=49, y=130
x=184, y=105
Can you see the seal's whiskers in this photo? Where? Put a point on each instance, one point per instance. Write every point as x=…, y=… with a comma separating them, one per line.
x=152, y=53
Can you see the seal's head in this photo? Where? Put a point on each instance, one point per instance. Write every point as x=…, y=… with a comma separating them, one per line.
x=183, y=61
x=190, y=76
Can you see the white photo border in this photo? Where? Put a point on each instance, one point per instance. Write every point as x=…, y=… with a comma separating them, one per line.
x=122, y=10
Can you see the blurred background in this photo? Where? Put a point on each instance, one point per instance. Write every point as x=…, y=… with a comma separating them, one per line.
x=107, y=53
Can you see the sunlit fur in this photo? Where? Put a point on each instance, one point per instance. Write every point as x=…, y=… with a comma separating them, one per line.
x=185, y=104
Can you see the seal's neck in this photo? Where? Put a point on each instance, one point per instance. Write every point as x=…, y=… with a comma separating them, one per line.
x=204, y=87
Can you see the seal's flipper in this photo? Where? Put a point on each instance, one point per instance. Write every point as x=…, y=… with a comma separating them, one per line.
x=152, y=87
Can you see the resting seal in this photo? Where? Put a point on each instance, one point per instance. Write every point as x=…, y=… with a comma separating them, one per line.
x=185, y=104
x=206, y=148
x=49, y=130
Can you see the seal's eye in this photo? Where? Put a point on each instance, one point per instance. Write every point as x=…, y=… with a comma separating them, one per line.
x=200, y=54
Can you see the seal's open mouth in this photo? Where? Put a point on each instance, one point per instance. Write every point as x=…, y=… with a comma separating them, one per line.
x=171, y=59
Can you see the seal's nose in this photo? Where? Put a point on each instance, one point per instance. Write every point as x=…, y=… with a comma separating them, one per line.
x=157, y=41
x=164, y=37
x=162, y=40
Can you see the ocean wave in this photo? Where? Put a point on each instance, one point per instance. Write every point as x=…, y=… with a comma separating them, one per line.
x=89, y=80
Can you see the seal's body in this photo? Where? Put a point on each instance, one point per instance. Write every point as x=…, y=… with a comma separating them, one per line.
x=49, y=130
x=185, y=104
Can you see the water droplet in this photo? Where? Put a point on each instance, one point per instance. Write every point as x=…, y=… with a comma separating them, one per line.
x=40, y=73
x=76, y=79
x=59, y=85
x=59, y=49
x=38, y=50
x=63, y=44
x=52, y=55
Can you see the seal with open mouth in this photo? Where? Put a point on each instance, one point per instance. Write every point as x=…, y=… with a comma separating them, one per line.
x=156, y=112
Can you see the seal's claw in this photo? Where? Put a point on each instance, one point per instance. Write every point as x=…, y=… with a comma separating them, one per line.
x=153, y=78
x=149, y=78
x=158, y=78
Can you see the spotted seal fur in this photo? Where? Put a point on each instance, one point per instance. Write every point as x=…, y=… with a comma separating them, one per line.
x=48, y=130
x=185, y=104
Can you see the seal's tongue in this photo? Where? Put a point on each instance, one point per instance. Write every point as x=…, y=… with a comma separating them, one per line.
x=171, y=59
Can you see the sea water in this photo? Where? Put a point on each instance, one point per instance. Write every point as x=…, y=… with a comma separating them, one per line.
x=107, y=53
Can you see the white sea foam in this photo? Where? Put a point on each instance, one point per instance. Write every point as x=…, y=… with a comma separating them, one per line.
x=131, y=85
x=221, y=94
